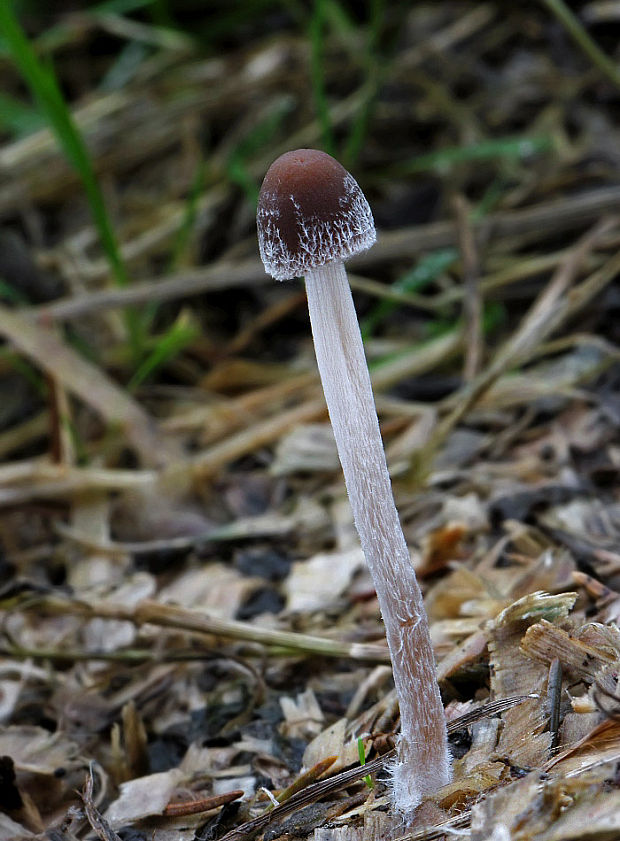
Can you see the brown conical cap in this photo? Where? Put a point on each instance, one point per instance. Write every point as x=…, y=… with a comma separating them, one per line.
x=311, y=211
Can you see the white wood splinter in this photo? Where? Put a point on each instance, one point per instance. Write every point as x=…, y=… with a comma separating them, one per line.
x=311, y=216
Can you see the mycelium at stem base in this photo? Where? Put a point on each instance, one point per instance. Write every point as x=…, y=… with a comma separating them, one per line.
x=423, y=763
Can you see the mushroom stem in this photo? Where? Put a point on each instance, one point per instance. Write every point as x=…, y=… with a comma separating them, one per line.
x=423, y=762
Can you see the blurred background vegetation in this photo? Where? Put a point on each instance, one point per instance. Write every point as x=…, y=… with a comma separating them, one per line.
x=135, y=134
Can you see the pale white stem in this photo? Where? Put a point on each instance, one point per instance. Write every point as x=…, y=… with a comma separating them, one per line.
x=424, y=763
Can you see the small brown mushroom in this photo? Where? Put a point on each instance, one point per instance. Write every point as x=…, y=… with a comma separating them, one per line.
x=311, y=216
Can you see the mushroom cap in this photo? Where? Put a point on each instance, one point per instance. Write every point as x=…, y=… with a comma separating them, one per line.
x=311, y=211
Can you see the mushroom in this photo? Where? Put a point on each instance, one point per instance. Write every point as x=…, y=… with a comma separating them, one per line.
x=311, y=216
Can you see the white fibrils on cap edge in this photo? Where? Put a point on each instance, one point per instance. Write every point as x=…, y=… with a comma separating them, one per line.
x=321, y=241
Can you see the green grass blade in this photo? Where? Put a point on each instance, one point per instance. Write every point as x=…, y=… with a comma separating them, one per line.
x=317, y=75
x=183, y=235
x=587, y=45
x=362, y=755
x=238, y=167
x=375, y=70
x=44, y=87
x=443, y=160
x=125, y=67
x=423, y=273
x=181, y=334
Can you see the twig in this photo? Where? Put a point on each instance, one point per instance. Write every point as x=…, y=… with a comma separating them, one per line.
x=86, y=381
x=587, y=45
x=556, y=216
x=257, y=435
x=472, y=302
x=552, y=307
x=99, y=824
x=24, y=481
x=554, y=694
x=170, y=616
x=193, y=807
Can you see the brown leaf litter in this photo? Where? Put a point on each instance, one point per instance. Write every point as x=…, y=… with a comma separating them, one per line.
x=189, y=636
